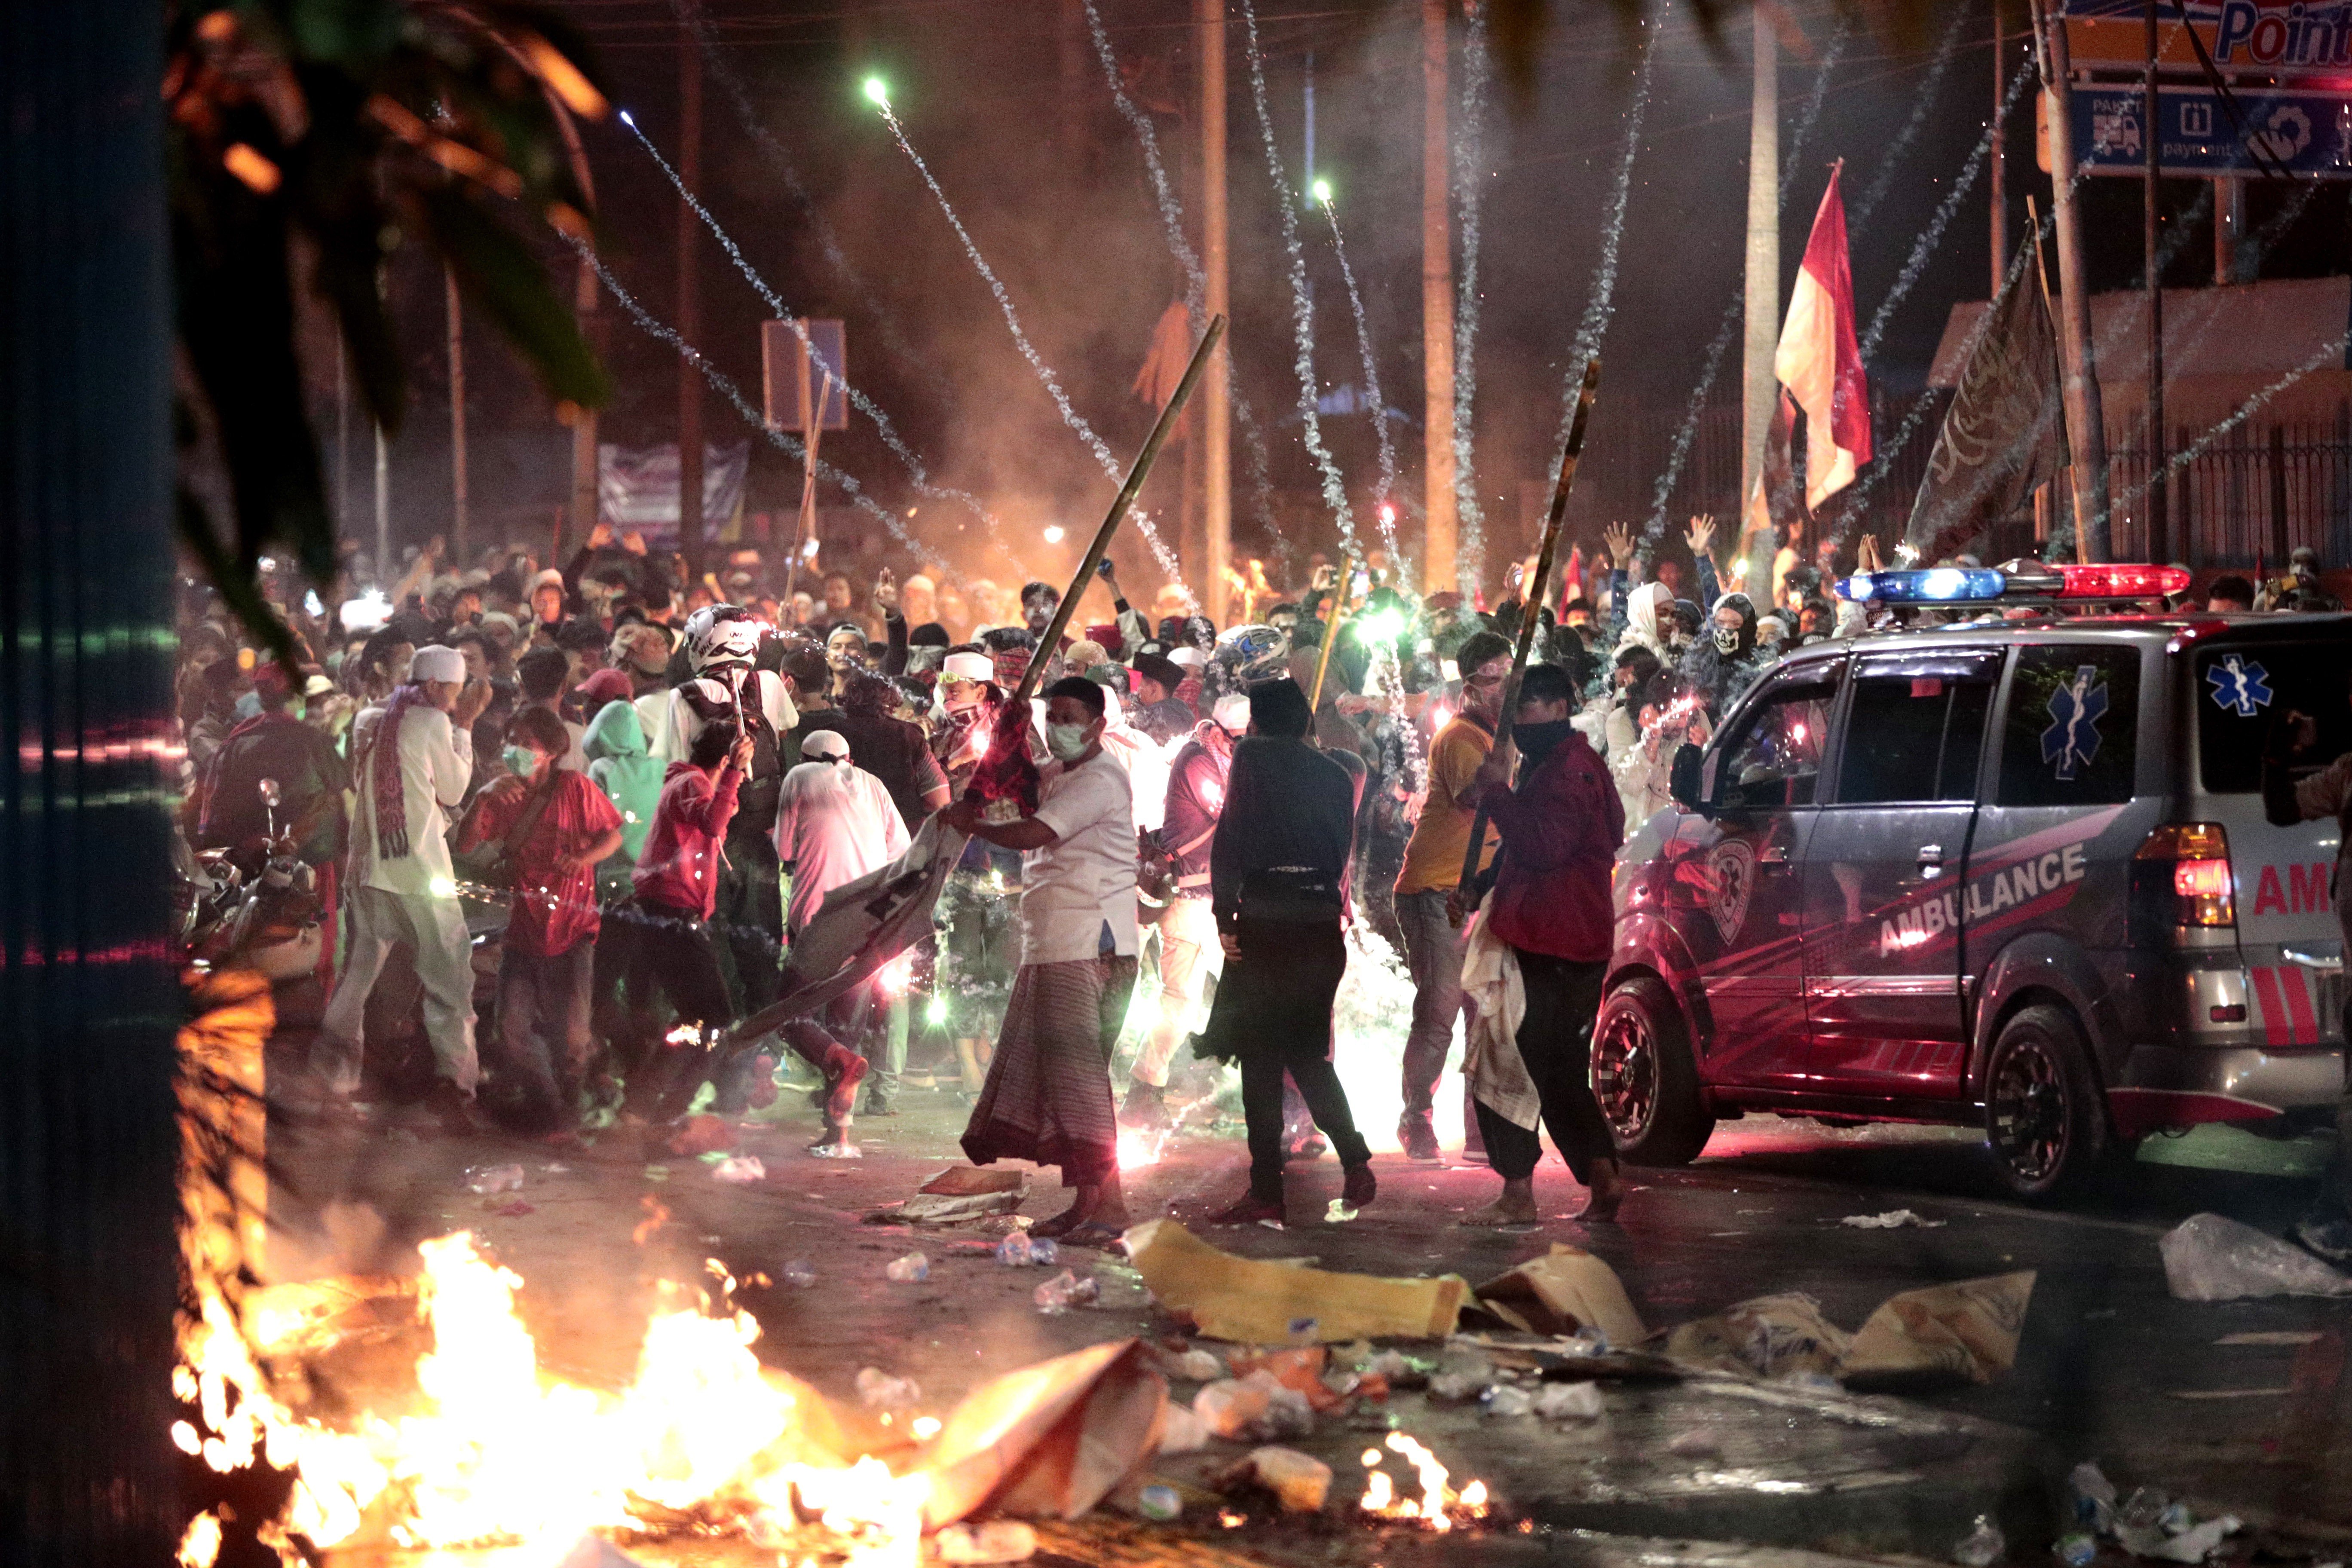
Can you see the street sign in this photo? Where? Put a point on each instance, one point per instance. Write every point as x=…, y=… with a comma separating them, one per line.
x=2291, y=41
x=794, y=380
x=2307, y=133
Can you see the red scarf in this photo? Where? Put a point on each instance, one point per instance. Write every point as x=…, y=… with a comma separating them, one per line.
x=383, y=775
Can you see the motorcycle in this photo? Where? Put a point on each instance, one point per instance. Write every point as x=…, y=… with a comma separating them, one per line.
x=258, y=911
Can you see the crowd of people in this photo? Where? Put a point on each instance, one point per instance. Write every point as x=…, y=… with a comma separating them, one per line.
x=656, y=784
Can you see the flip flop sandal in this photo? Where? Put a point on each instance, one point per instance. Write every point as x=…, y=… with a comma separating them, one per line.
x=1101, y=1238
x=1061, y=1224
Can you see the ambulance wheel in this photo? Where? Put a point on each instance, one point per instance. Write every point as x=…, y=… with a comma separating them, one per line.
x=2044, y=1119
x=1645, y=1078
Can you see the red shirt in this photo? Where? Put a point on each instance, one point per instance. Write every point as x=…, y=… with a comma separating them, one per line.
x=1560, y=832
x=551, y=910
x=680, y=868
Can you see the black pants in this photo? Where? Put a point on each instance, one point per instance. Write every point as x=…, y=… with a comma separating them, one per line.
x=1556, y=1042
x=671, y=953
x=748, y=916
x=1275, y=1005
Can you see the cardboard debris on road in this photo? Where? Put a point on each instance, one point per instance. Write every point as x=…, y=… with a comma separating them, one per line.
x=1942, y=1334
x=1047, y=1441
x=957, y=1195
x=1299, y=1481
x=1965, y=1332
x=1565, y=1290
x=1232, y=1298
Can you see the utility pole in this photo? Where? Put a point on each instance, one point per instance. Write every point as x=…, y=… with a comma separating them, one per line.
x=1996, y=175
x=583, y=507
x=2151, y=138
x=2229, y=226
x=1216, y=390
x=2086, y=418
x=385, y=575
x=459, y=555
x=1438, y=571
x=689, y=311
x=1759, y=388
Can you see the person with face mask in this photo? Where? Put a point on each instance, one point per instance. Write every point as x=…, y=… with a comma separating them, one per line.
x=1725, y=664
x=1432, y=873
x=1047, y=1097
x=1187, y=930
x=1548, y=917
x=411, y=760
x=1279, y=889
x=555, y=826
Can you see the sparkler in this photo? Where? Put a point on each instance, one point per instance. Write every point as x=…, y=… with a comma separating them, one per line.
x=1469, y=195
x=879, y=94
x=1387, y=513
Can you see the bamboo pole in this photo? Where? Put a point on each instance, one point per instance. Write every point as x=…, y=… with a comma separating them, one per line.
x=1531, y=602
x=1330, y=634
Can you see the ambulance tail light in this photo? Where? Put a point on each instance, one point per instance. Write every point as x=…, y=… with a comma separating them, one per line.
x=2180, y=878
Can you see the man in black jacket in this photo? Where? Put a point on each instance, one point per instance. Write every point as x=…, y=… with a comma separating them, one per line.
x=1277, y=879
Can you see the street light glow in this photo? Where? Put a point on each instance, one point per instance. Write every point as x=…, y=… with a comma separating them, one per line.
x=878, y=90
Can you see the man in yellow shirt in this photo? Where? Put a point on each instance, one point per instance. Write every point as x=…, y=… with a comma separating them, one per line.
x=1432, y=871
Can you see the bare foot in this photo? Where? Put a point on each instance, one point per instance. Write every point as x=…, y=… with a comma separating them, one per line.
x=1505, y=1210
x=1608, y=1193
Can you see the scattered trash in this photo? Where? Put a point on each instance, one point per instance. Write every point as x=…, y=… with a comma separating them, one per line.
x=1392, y=1365
x=2282, y=1337
x=1302, y=1370
x=1013, y=1251
x=1339, y=1213
x=880, y=1391
x=514, y=1210
x=1510, y=1399
x=799, y=1274
x=1228, y=1407
x=1893, y=1220
x=1696, y=1444
x=2210, y=1257
x=2144, y=1509
x=1943, y=1334
x=1064, y=1291
x=701, y=1135
x=656, y=1172
x=997, y=1541
x=1160, y=1503
x=2076, y=1551
x=1770, y=1336
x=928, y=1208
x=2095, y=1497
x=1459, y=1387
x=1300, y=1482
x=487, y=1179
x=742, y=1171
x=1184, y=1431
x=1257, y=1302
x=2191, y=1545
x=913, y=1269
x=555, y=1170
x=1569, y=1401
x=1985, y=1545
x=1288, y=1411
x=836, y=1151
x=1195, y=1365
x=1565, y=1291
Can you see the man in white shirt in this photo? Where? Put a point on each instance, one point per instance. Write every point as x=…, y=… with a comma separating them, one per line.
x=834, y=823
x=1047, y=1099
x=411, y=765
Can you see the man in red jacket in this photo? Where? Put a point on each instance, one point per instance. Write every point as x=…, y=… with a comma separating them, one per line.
x=1560, y=830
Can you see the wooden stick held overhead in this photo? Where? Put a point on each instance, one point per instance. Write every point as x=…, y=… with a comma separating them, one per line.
x=1330, y=634
x=1119, y=507
x=1531, y=602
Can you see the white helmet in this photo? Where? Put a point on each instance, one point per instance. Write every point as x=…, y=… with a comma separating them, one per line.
x=721, y=637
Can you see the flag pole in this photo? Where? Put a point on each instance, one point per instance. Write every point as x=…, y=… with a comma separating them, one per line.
x=1531, y=602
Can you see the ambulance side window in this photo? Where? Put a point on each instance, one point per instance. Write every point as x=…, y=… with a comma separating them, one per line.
x=2070, y=735
x=1912, y=738
x=1776, y=758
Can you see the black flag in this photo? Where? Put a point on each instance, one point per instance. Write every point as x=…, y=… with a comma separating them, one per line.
x=2004, y=433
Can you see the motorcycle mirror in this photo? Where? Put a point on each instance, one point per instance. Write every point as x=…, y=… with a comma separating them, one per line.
x=1683, y=782
x=270, y=793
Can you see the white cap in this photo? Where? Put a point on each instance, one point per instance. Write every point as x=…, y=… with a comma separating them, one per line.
x=1189, y=657
x=435, y=662
x=967, y=667
x=1232, y=714
x=827, y=743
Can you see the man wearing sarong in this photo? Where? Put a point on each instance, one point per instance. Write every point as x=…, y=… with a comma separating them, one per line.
x=1047, y=1097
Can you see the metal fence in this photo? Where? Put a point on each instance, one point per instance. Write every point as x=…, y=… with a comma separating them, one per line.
x=2253, y=495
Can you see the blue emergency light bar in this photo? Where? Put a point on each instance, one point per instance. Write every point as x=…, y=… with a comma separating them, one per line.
x=2014, y=580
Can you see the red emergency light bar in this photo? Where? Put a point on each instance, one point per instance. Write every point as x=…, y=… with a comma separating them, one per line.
x=2114, y=582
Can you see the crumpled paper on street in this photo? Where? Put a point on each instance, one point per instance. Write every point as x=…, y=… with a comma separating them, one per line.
x=1047, y=1441
x=1966, y=1332
x=1564, y=1290
x=1242, y=1299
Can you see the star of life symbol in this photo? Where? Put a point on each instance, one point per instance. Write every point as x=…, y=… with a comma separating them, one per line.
x=2073, y=738
x=2240, y=685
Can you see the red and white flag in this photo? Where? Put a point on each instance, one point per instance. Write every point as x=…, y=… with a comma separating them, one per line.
x=1819, y=358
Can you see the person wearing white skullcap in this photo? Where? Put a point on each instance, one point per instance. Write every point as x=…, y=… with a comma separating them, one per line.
x=411, y=764
x=1187, y=933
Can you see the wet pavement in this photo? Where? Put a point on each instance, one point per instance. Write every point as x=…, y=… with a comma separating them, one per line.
x=2238, y=1408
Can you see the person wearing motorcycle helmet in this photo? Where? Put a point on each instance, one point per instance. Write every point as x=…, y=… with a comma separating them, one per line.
x=1158, y=713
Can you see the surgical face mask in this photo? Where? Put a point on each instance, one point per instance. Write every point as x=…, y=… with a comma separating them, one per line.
x=1067, y=742
x=1726, y=640
x=521, y=761
x=249, y=705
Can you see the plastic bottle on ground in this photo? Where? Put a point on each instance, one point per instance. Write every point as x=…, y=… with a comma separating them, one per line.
x=1984, y=1546
x=910, y=1269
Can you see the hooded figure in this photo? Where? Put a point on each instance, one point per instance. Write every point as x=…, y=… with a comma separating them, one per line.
x=1725, y=663
x=619, y=764
x=1648, y=618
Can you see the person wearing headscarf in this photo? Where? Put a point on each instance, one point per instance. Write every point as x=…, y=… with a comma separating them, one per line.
x=1649, y=619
